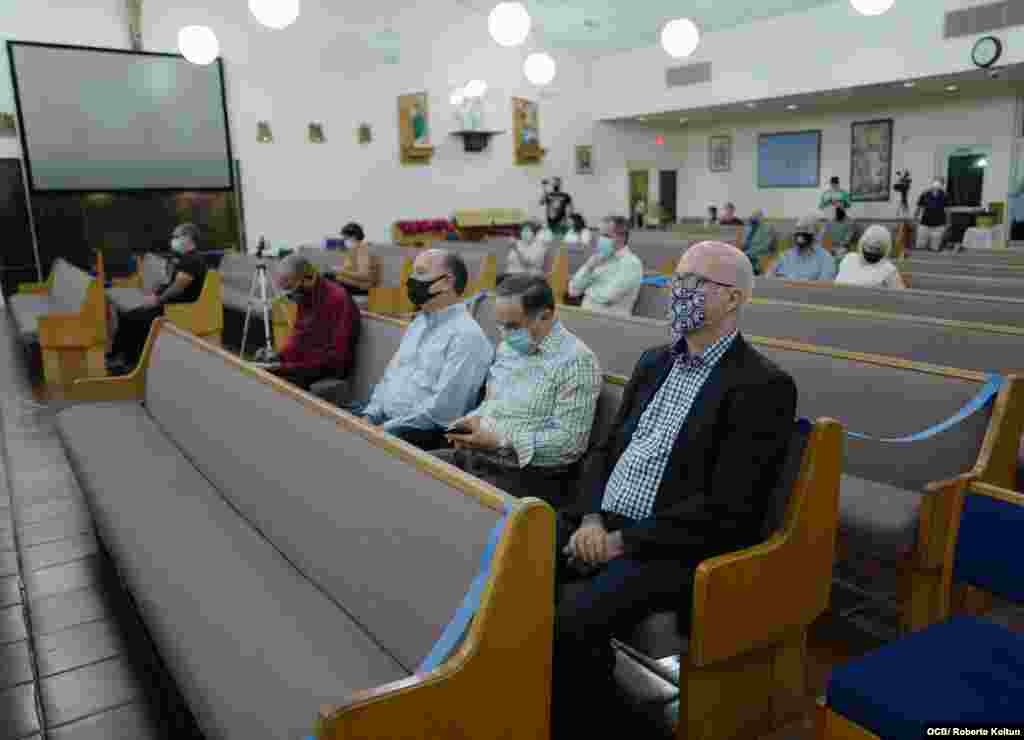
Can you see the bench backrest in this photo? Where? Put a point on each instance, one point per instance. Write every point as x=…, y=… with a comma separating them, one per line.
x=70, y=285
x=394, y=544
x=871, y=398
x=967, y=284
x=970, y=269
x=379, y=340
x=324, y=260
x=958, y=307
x=653, y=302
x=995, y=257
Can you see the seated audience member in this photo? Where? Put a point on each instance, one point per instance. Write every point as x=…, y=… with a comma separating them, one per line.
x=322, y=343
x=840, y=232
x=806, y=260
x=578, y=233
x=542, y=389
x=610, y=279
x=684, y=474
x=712, y=217
x=437, y=373
x=729, y=216
x=758, y=240
x=870, y=266
x=527, y=255
x=185, y=286
x=362, y=269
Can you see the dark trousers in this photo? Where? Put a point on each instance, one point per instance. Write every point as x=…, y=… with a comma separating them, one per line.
x=304, y=377
x=426, y=439
x=590, y=609
x=132, y=331
x=551, y=485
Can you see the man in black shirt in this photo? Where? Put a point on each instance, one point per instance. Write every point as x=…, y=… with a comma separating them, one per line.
x=184, y=287
x=557, y=204
x=931, y=213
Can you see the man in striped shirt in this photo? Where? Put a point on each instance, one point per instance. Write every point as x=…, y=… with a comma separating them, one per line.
x=534, y=423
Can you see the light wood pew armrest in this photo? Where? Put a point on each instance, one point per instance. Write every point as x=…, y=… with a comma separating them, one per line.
x=67, y=331
x=206, y=315
x=130, y=387
x=997, y=460
x=508, y=644
x=726, y=587
x=132, y=281
x=42, y=288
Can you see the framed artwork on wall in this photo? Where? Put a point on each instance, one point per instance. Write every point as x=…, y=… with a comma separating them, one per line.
x=720, y=153
x=585, y=160
x=7, y=124
x=364, y=134
x=526, y=126
x=316, y=133
x=790, y=159
x=871, y=160
x=414, y=129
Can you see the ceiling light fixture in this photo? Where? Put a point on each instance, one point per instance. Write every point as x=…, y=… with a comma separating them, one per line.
x=198, y=44
x=458, y=97
x=872, y=7
x=951, y=88
x=751, y=105
x=509, y=24
x=909, y=84
x=276, y=14
x=475, y=89
x=792, y=106
x=684, y=120
x=539, y=68
x=680, y=38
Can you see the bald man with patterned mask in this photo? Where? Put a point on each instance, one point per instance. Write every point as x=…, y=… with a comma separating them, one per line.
x=685, y=473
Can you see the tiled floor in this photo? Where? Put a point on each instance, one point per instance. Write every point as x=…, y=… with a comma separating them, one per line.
x=74, y=664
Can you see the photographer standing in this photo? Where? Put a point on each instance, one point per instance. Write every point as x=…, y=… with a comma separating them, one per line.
x=557, y=205
x=931, y=214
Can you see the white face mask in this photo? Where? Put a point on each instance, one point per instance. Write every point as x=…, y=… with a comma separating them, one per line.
x=178, y=244
x=936, y=185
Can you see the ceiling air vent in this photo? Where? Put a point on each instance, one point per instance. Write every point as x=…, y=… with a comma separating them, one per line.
x=688, y=74
x=984, y=18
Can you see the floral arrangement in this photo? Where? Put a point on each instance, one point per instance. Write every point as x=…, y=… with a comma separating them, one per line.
x=424, y=227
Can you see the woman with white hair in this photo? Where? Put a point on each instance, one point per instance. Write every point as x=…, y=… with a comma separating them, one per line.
x=870, y=265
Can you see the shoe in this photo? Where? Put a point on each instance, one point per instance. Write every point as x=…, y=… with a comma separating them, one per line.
x=119, y=367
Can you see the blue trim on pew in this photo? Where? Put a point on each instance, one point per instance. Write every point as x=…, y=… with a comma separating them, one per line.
x=658, y=281
x=987, y=393
x=453, y=633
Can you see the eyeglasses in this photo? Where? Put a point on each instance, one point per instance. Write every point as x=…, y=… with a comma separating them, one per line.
x=693, y=281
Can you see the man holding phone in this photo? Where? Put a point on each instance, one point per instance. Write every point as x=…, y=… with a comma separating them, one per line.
x=542, y=389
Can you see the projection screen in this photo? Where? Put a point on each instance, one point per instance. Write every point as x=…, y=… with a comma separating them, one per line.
x=101, y=119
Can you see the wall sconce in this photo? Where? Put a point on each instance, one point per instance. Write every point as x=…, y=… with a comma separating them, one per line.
x=316, y=133
x=263, y=133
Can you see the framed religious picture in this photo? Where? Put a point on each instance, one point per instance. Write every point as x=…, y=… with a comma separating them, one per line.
x=720, y=153
x=7, y=126
x=585, y=160
x=364, y=134
x=871, y=160
x=526, y=126
x=414, y=129
x=316, y=133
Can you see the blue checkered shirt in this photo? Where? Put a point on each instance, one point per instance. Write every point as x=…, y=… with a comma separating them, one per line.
x=634, y=482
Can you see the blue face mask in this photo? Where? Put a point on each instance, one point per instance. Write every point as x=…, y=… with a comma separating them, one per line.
x=526, y=235
x=605, y=246
x=519, y=341
x=178, y=244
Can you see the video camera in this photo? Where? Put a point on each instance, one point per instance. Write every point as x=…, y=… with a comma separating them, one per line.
x=903, y=181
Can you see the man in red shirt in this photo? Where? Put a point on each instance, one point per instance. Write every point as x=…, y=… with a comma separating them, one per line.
x=322, y=344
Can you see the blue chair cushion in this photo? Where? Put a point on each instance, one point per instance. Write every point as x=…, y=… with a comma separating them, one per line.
x=964, y=671
x=988, y=548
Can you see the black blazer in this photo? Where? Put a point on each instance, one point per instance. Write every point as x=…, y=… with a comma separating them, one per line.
x=715, y=492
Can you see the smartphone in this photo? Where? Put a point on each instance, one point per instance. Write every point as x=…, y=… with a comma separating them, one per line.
x=459, y=429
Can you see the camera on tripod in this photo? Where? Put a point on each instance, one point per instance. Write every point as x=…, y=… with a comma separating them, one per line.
x=903, y=181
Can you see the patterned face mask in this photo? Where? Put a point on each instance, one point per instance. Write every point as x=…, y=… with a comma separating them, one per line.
x=686, y=311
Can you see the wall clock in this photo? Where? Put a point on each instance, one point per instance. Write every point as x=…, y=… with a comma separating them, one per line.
x=987, y=51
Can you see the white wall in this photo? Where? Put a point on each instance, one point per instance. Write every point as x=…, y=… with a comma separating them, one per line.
x=921, y=139
x=96, y=23
x=822, y=49
x=318, y=70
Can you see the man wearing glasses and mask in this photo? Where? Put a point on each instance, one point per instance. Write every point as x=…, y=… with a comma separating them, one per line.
x=436, y=375
x=685, y=473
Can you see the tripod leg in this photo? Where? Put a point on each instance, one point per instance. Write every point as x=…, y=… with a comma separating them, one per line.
x=265, y=299
x=248, y=311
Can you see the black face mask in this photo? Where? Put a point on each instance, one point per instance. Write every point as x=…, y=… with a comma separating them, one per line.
x=872, y=257
x=419, y=290
x=803, y=240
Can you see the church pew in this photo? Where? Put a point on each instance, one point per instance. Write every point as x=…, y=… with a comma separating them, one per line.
x=999, y=287
x=955, y=267
x=273, y=587
x=954, y=306
x=66, y=318
x=723, y=655
x=978, y=257
x=982, y=347
x=886, y=516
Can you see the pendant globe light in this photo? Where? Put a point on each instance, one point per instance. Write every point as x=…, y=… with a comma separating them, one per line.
x=276, y=14
x=680, y=37
x=475, y=89
x=872, y=7
x=539, y=68
x=509, y=24
x=198, y=44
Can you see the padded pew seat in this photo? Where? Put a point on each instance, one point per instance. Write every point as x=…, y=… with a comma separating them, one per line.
x=310, y=651
x=126, y=299
x=966, y=671
x=878, y=524
x=67, y=290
